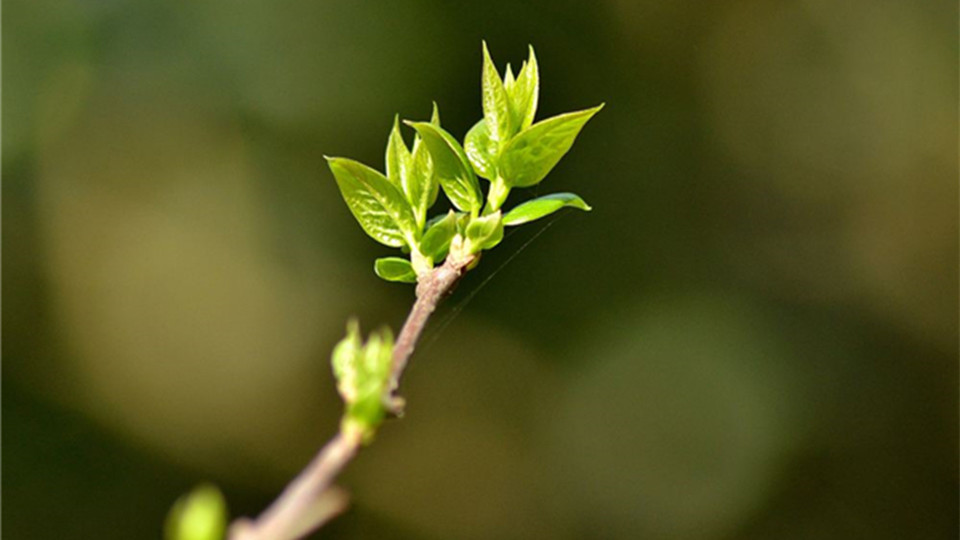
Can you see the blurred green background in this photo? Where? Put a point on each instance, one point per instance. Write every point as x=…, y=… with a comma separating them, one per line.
x=754, y=335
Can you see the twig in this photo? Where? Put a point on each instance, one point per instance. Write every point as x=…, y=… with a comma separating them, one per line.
x=430, y=290
x=295, y=513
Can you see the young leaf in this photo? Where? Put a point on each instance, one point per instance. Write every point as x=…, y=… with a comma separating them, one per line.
x=434, y=119
x=462, y=221
x=508, y=78
x=543, y=206
x=399, y=161
x=496, y=104
x=497, y=194
x=344, y=359
x=436, y=241
x=451, y=167
x=525, y=93
x=481, y=150
x=421, y=186
x=484, y=232
x=378, y=205
x=529, y=156
x=395, y=269
x=425, y=194
x=367, y=410
x=362, y=371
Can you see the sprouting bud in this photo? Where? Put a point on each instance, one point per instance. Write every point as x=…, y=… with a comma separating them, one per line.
x=363, y=373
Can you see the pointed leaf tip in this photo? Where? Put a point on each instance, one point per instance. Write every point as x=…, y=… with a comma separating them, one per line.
x=543, y=206
x=496, y=102
x=451, y=167
x=534, y=152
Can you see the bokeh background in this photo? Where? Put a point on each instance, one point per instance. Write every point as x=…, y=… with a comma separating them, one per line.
x=754, y=335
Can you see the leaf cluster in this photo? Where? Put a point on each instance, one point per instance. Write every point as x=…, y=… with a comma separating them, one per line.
x=506, y=148
x=362, y=371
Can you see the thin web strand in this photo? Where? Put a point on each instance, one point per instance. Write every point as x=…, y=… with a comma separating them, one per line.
x=433, y=336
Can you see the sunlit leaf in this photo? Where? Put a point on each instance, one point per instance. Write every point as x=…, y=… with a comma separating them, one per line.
x=508, y=78
x=379, y=206
x=484, y=232
x=543, y=206
x=436, y=240
x=450, y=164
x=424, y=195
x=481, y=150
x=343, y=360
x=525, y=93
x=395, y=269
x=496, y=103
x=533, y=153
x=399, y=160
x=362, y=371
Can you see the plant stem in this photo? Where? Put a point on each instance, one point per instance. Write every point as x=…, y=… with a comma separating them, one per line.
x=430, y=290
x=284, y=518
x=295, y=512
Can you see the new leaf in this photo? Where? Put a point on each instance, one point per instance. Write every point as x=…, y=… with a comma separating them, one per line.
x=363, y=371
x=379, y=206
x=481, y=150
x=543, y=206
x=399, y=160
x=395, y=269
x=524, y=93
x=451, y=167
x=533, y=153
x=496, y=103
x=484, y=232
x=436, y=241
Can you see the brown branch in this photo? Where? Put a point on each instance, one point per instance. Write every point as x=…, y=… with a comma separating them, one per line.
x=430, y=290
x=299, y=509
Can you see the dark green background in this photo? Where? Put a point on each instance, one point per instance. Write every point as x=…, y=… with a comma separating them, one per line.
x=753, y=335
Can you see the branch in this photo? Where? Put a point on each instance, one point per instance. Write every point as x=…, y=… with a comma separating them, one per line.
x=309, y=500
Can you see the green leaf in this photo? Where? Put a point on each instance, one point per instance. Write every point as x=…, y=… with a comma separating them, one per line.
x=434, y=119
x=199, y=515
x=436, y=241
x=533, y=153
x=421, y=186
x=363, y=371
x=481, y=150
x=399, y=160
x=451, y=167
x=484, y=232
x=378, y=205
x=373, y=371
x=543, y=206
x=395, y=269
x=508, y=78
x=497, y=195
x=525, y=93
x=343, y=360
x=462, y=221
x=425, y=195
x=496, y=103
